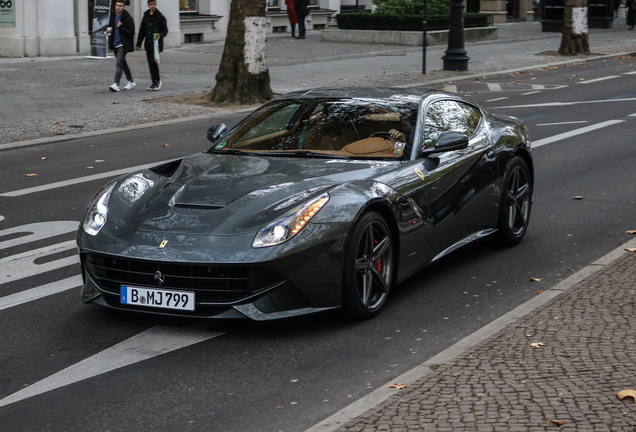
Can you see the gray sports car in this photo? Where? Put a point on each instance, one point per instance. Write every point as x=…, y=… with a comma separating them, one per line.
x=317, y=200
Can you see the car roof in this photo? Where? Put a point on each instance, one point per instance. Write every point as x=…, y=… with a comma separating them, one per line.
x=362, y=93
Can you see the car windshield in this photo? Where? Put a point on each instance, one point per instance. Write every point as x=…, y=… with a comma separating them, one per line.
x=336, y=127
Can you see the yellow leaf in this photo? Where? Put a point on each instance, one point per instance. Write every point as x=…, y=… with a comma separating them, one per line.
x=557, y=422
x=56, y=122
x=632, y=232
x=165, y=145
x=627, y=393
x=535, y=279
x=630, y=249
x=537, y=344
x=398, y=386
x=30, y=175
x=539, y=292
x=99, y=160
x=44, y=158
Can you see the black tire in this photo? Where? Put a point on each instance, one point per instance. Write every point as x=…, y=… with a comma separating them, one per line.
x=368, y=271
x=516, y=202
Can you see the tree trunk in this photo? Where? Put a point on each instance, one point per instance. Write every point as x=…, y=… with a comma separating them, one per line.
x=574, y=40
x=243, y=75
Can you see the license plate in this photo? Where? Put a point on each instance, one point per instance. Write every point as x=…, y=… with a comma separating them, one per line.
x=158, y=298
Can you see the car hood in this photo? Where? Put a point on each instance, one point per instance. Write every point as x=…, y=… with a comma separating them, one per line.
x=213, y=194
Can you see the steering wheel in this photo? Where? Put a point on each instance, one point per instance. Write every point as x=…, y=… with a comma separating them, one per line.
x=387, y=133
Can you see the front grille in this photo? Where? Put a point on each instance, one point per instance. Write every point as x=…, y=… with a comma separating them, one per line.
x=210, y=283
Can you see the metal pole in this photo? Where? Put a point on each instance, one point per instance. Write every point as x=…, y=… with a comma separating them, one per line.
x=456, y=58
x=424, y=39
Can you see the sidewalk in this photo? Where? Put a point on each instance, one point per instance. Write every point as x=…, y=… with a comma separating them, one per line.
x=34, y=93
x=586, y=335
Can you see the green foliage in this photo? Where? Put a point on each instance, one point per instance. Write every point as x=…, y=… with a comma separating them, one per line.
x=411, y=7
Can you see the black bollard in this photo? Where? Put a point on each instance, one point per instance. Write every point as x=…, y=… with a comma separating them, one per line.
x=456, y=58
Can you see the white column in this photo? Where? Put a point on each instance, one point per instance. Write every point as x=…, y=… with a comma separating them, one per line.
x=56, y=24
x=81, y=27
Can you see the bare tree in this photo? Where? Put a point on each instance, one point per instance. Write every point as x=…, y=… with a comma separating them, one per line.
x=243, y=76
x=575, y=40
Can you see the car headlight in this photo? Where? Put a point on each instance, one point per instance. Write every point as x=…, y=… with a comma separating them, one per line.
x=98, y=211
x=290, y=224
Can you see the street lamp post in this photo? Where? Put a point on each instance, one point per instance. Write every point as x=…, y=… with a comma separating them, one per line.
x=456, y=58
x=424, y=38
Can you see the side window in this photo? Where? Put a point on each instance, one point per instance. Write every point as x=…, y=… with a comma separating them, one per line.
x=275, y=122
x=444, y=116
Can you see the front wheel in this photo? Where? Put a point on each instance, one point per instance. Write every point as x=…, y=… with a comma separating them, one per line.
x=516, y=200
x=368, y=272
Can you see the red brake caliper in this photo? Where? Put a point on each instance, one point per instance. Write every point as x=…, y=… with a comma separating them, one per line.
x=379, y=265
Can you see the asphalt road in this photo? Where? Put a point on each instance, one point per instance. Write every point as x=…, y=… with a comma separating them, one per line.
x=94, y=369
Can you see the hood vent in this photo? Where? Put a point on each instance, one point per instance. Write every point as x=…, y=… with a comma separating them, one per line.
x=200, y=206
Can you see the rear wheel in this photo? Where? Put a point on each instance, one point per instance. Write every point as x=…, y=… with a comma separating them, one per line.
x=368, y=273
x=516, y=200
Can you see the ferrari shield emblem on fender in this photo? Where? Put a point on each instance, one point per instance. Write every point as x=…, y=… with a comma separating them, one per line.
x=419, y=173
x=163, y=244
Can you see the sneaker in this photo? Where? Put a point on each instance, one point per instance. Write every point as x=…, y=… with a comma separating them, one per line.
x=152, y=87
x=114, y=87
x=158, y=86
x=130, y=85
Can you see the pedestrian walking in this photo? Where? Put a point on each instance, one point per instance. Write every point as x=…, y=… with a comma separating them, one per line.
x=630, y=5
x=153, y=26
x=121, y=31
x=291, y=15
x=302, y=10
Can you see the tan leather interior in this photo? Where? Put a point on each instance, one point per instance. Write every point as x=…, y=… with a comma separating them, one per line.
x=368, y=145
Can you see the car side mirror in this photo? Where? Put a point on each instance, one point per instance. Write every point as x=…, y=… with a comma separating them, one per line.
x=448, y=141
x=215, y=132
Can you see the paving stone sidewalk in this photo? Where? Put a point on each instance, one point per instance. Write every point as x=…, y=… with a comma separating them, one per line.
x=569, y=383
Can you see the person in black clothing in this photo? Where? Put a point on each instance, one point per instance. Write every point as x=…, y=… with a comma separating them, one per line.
x=120, y=41
x=630, y=5
x=302, y=10
x=152, y=23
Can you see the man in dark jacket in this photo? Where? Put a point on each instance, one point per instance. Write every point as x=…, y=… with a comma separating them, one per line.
x=153, y=23
x=121, y=33
x=302, y=10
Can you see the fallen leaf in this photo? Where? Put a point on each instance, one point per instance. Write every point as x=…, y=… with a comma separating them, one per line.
x=627, y=393
x=115, y=103
x=99, y=160
x=632, y=232
x=630, y=249
x=178, y=68
x=209, y=86
x=579, y=197
x=30, y=175
x=398, y=386
x=56, y=122
x=537, y=344
x=280, y=406
x=557, y=422
x=77, y=75
x=533, y=279
x=165, y=145
x=539, y=292
x=44, y=158
x=89, y=167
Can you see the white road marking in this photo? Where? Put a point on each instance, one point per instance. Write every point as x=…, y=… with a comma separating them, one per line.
x=562, y=123
x=498, y=99
x=629, y=73
x=599, y=79
x=450, y=88
x=494, y=87
x=529, y=93
x=81, y=179
x=148, y=344
x=20, y=266
x=36, y=231
x=22, y=297
x=559, y=104
x=575, y=132
x=538, y=86
x=1, y=218
x=632, y=115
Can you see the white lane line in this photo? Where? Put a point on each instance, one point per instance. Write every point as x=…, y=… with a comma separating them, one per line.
x=629, y=73
x=22, y=297
x=632, y=115
x=494, y=87
x=36, y=231
x=538, y=86
x=148, y=344
x=559, y=104
x=1, y=218
x=20, y=266
x=498, y=99
x=450, y=88
x=598, y=79
x=81, y=180
x=562, y=123
x=529, y=93
x=574, y=132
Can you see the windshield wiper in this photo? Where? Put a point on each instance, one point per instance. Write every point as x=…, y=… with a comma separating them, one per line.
x=230, y=151
x=305, y=153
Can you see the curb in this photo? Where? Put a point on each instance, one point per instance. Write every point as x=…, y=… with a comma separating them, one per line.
x=379, y=395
